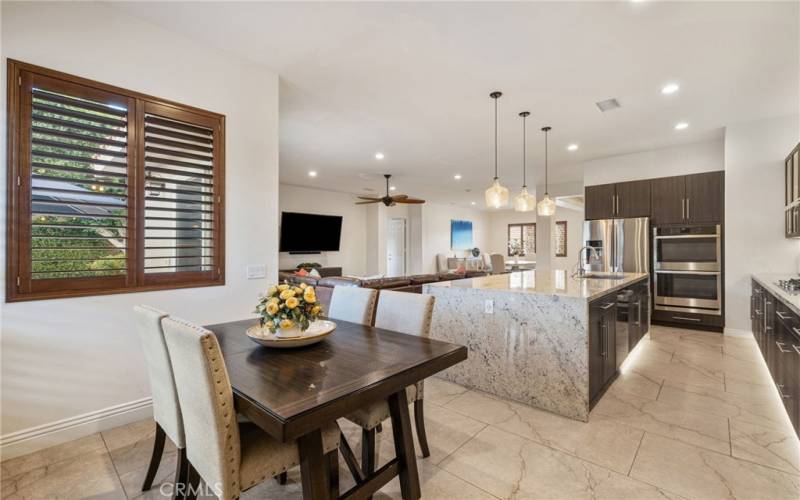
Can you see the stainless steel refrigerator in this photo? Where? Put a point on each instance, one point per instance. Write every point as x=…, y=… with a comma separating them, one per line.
x=623, y=245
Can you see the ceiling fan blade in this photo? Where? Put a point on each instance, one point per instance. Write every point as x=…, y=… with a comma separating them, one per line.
x=410, y=200
x=367, y=202
x=370, y=198
x=400, y=196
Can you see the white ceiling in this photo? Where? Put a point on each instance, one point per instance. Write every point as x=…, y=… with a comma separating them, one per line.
x=412, y=80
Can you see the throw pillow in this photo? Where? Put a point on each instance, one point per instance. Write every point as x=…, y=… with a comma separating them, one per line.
x=301, y=272
x=314, y=273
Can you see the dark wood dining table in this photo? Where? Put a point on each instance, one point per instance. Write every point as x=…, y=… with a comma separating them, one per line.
x=293, y=393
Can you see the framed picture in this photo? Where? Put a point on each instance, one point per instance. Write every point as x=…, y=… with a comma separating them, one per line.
x=461, y=234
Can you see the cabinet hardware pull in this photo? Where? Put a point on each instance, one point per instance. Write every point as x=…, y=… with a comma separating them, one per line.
x=687, y=209
x=686, y=319
x=796, y=348
x=781, y=316
x=780, y=346
x=607, y=306
x=683, y=208
x=795, y=330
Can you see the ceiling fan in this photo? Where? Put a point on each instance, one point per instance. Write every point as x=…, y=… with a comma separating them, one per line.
x=387, y=200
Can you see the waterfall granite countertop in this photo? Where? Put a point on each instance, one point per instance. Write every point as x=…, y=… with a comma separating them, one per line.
x=768, y=281
x=546, y=282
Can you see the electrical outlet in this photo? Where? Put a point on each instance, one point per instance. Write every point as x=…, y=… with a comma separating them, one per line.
x=488, y=306
x=256, y=271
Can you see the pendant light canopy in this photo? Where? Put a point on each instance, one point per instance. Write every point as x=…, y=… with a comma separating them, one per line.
x=547, y=206
x=496, y=195
x=524, y=201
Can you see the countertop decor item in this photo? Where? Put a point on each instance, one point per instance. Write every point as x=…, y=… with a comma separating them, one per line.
x=287, y=311
x=496, y=195
x=524, y=201
x=476, y=252
x=547, y=206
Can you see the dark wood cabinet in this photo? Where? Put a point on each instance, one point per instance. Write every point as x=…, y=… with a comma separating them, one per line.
x=668, y=194
x=602, y=343
x=704, y=197
x=633, y=199
x=776, y=328
x=600, y=202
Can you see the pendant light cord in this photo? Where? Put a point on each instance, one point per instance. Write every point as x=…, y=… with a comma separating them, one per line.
x=546, y=186
x=495, y=137
x=524, y=151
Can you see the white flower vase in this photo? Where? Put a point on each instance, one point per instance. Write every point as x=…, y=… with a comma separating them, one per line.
x=289, y=333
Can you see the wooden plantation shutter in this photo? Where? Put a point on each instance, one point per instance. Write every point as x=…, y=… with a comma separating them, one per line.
x=109, y=190
x=181, y=196
x=75, y=171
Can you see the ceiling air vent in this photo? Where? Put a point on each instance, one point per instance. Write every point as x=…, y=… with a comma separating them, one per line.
x=607, y=105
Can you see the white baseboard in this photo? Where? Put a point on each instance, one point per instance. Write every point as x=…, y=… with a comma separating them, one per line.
x=737, y=332
x=43, y=436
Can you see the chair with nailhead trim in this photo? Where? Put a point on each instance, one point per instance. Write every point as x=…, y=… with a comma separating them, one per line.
x=403, y=312
x=353, y=304
x=229, y=456
x=166, y=412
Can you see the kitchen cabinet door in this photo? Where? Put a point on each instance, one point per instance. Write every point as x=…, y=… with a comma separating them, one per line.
x=610, y=326
x=596, y=353
x=667, y=195
x=704, y=197
x=599, y=202
x=633, y=199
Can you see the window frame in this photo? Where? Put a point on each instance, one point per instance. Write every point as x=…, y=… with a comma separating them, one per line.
x=522, y=226
x=19, y=285
x=566, y=245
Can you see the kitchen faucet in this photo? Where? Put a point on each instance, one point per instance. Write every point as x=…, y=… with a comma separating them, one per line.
x=581, y=272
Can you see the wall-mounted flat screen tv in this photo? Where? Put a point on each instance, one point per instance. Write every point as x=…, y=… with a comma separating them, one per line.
x=310, y=232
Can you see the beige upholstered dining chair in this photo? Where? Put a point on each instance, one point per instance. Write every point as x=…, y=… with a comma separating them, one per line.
x=498, y=263
x=230, y=457
x=166, y=411
x=354, y=304
x=403, y=312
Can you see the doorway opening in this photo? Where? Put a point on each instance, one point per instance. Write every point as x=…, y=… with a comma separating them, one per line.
x=396, y=247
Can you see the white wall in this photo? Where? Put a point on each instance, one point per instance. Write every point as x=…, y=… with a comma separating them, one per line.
x=70, y=357
x=754, y=187
x=677, y=160
x=436, y=231
x=351, y=256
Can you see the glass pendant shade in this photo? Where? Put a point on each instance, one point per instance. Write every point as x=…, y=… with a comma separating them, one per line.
x=546, y=207
x=496, y=195
x=524, y=202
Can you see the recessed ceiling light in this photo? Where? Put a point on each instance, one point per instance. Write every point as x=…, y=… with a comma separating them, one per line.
x=472, y=203
x=312, y=173
x=607, y=105
x=681, y=126
x=457, y=177
x=392, y=188
x=670, y=88
x=379, y=156
x=572, y=147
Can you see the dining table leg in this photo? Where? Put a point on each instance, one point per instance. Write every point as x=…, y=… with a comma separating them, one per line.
x=404, y=446
x=314, y=468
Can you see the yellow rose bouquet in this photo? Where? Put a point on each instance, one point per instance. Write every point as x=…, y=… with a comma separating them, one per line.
x=286, y=307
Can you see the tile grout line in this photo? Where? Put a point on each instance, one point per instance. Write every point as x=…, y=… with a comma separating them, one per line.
x=636, y=454
x=663, y=381
x=114, y=465
x=730, y=438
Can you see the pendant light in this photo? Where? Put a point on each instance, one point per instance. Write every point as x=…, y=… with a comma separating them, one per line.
x=496, y=195
x=547, y=206
x=524, y=202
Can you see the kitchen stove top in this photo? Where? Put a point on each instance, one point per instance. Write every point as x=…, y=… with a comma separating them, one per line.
x=791, y=285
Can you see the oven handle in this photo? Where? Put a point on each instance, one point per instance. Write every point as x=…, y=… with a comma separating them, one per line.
x=710, y=273
x=686, y=236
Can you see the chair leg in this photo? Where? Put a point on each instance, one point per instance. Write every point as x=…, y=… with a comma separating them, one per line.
x=180, y=474
x=333, y=465
x=419, y=420
x=192, y=482
x=368, y=451
x=350, y=459
x=155, y=459
x=379, y=428
x=282, y=478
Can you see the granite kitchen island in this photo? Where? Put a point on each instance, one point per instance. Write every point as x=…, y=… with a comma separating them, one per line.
x=536, y=337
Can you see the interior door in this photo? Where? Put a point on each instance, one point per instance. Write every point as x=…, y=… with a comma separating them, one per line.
x=396, y=247
x=668, y=194
x=633, y=199
x=599, y=202
x=704, y=194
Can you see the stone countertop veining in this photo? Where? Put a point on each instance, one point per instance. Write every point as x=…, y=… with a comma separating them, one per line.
x=545, y=282
x=767, y=280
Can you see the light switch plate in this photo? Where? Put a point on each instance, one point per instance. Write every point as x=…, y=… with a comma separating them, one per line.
x=256, y=271
x=488, y=306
